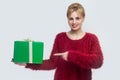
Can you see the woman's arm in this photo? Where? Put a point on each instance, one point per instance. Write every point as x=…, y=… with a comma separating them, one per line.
x=47, y=64
x=92, y=59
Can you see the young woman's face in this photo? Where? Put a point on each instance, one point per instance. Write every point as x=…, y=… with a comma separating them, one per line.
x=75, y=21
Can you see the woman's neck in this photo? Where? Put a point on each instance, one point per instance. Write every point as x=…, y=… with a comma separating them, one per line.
x=75, y=34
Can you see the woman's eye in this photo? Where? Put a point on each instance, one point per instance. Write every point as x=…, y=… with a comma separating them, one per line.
x=70, y=18
x=77, y=18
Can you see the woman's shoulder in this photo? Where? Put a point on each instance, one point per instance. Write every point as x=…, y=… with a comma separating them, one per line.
x=92, y=35
x=61, y=34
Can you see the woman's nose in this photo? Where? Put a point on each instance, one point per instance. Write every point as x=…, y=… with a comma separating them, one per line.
x=74, y=21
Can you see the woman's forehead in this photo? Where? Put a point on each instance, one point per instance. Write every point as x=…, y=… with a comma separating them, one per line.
x=75, y=13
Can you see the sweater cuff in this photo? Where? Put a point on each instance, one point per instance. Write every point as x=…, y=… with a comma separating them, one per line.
x=32, y=66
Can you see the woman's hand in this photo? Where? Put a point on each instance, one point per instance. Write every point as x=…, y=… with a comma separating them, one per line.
x=63, y=55
x=20, y=64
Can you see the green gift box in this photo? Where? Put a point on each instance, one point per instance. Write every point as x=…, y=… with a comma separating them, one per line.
x=28, y=52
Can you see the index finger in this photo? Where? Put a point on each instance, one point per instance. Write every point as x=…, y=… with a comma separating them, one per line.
x=58, y=54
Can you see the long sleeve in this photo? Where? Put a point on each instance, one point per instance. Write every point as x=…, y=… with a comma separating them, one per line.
x=47, y=64
x=91, y=59
x=83, y=55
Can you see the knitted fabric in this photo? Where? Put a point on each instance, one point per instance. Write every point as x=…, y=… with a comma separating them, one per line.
x=83, y=55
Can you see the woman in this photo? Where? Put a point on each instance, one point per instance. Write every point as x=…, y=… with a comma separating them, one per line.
x=75, y=52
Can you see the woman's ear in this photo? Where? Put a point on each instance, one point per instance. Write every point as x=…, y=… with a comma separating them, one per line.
x=83, y=19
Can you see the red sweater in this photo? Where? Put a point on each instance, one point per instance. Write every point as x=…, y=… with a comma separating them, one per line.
x=83, y=55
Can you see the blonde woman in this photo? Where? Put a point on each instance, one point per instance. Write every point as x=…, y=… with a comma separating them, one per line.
x=75, y=52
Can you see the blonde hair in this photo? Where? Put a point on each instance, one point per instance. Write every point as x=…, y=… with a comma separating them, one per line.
x=75, y=7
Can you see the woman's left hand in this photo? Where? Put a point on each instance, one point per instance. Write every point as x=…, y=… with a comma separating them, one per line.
x=63, y=55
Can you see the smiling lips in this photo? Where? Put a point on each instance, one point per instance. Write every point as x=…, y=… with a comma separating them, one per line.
x=74, y=25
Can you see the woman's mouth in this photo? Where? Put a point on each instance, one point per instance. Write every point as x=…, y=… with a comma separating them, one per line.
x=74, y=26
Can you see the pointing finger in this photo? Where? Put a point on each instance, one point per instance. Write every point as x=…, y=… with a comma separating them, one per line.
x=58, y=54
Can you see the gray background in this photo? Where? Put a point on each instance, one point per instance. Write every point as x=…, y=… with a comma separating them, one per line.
x=42, y=20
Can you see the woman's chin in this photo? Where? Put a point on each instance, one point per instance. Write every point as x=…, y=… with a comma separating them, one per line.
x=75, y=29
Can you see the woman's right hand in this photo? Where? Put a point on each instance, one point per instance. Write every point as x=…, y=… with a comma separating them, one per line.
x=20, y=64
